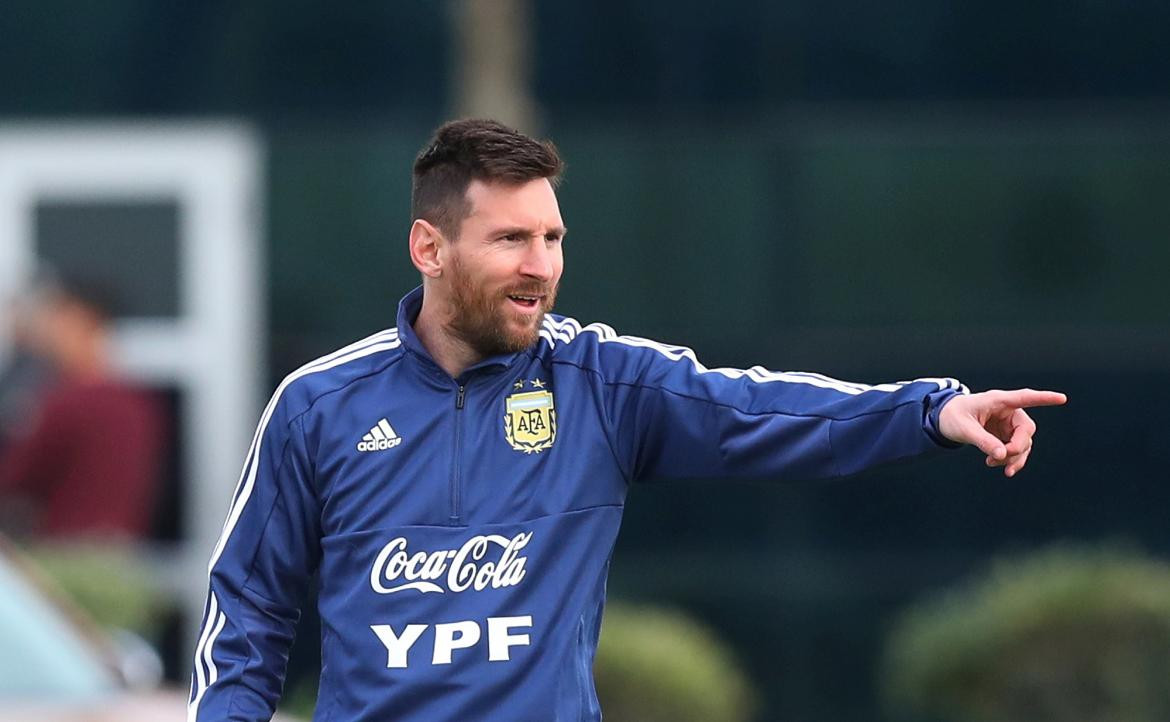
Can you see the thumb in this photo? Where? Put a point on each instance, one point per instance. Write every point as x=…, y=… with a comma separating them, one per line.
x=973, y=433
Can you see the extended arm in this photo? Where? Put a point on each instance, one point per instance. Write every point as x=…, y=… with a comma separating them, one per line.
x=675, y=417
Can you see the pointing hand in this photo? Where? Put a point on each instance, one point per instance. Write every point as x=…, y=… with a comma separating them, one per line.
x=995, y=422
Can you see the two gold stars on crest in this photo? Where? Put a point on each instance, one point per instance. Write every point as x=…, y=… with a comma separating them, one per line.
x=536, y=384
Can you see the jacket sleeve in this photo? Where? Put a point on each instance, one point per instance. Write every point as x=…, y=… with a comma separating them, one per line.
x=674, y=417
x=258, y=574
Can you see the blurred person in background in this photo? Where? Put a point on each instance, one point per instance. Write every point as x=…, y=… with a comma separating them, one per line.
x=83, y=459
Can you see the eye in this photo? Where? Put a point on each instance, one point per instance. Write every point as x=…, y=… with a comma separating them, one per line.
x=512, y=237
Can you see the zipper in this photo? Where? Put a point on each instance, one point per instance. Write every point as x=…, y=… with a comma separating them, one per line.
x=456, y=512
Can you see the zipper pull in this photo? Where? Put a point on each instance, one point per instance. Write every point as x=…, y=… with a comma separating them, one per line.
x=459, y=397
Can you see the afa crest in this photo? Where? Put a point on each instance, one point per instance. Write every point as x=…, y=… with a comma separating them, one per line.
x=530, y=419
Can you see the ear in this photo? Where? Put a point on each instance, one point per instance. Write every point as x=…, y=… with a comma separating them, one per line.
x=425, y=242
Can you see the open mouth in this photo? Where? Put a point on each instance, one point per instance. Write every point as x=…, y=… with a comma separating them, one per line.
x=526, y=302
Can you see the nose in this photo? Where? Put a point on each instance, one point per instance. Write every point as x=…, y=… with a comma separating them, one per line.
x=539, y=261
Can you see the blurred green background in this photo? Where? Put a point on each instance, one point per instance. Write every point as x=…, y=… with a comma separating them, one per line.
x=875, y=192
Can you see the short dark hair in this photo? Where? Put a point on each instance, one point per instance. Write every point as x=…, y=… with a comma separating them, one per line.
x=473, y=149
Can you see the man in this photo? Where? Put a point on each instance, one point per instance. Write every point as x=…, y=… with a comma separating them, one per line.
x=89, y=454
x=458, y=481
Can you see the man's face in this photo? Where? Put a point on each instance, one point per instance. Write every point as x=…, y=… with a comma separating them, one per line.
x=505, y=267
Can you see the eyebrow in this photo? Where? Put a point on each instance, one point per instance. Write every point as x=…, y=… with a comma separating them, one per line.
x=559, y=232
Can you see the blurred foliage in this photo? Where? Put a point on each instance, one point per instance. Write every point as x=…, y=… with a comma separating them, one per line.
x=1068, y=634
x=106, y=581
x=657, y=665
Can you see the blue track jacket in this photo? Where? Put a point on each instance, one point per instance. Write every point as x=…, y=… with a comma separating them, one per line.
x=463, y=527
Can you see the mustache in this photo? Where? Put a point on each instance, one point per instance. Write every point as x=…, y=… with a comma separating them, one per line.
x=541, y=290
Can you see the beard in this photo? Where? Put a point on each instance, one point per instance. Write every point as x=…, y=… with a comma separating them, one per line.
x=484, y=319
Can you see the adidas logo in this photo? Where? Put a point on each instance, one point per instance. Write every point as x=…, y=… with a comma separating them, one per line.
x=379, y=438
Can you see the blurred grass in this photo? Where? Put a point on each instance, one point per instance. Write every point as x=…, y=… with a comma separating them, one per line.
x=107, y=582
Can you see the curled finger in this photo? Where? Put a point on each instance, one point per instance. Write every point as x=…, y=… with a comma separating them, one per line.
x=1017, y=463
x=1023, y=428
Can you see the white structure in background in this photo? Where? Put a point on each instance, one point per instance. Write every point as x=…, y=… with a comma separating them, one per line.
x=209, y=350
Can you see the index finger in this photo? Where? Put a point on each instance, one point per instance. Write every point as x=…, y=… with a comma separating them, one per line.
x=1027, y=398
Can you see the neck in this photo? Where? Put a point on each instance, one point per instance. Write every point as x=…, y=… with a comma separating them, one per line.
x=451, y=353
x=88, y=363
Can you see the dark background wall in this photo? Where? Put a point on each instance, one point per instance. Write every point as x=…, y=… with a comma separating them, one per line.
x=875, y=192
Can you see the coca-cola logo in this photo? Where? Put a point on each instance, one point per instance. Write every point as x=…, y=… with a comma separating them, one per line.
x=471, y=566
